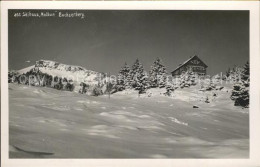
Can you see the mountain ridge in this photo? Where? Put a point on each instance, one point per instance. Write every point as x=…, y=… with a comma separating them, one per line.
x=77, y=73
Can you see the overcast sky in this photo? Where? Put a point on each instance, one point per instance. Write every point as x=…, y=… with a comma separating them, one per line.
x=104, y=40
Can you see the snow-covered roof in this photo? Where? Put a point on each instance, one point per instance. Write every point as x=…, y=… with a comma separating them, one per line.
x=188, y=61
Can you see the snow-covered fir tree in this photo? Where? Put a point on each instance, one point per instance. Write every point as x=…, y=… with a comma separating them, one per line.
x=142, y=82
x=139, y=77
x=216, y=78
x=12, y=76
x=169, y=89
x=128, y=81
x=158, y=74
x=240, y=92
x=97, y=90
x=83, y=88
x=123, y=78
x=245, y=73
x=234, y=74
x=187, y=79
x=210, y=85
x=228, y=72
x=135, y=70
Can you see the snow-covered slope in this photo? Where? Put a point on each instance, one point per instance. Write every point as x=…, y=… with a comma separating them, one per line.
x=25, y=70
x=48, y=123
x=76, y=73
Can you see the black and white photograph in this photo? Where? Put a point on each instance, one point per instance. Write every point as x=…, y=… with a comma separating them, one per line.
x=128, y=84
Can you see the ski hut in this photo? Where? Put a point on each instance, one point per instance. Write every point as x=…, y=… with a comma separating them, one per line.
x=194, y=64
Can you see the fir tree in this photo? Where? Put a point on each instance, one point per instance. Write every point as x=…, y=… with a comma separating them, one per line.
x=123, y=78
x=240, y=92
x=97, y=90
x=169, y=89
x=139, y=77
x=136, y=69
x=83, y=88
x=228, y=72
x=234, y=75
x=12, y=76
x=158, y=74
x=245, y=73
x=128, y=81
x=142, y=83
x=187, y=79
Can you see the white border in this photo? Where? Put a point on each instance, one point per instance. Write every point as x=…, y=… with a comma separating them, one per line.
x=254, y=159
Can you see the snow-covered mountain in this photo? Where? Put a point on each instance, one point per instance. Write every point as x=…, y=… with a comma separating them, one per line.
x=76, y=73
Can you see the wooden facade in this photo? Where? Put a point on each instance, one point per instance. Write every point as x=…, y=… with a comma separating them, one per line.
x=194, y=64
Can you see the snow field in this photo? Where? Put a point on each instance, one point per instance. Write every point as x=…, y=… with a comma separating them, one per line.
x=72, y=125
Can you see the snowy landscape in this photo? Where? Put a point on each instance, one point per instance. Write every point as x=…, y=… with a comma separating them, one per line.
x=128, y=83
x=185, y=118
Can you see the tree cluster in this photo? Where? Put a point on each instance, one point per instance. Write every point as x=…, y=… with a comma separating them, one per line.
x=35, y=77
x=137, y=78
